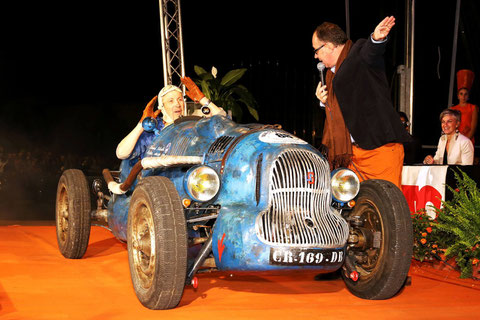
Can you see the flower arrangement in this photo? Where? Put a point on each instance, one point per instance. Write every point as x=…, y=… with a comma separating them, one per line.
x=425, y=236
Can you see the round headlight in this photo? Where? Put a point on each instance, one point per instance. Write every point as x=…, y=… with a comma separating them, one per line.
x=202, y=183
x=345, y=185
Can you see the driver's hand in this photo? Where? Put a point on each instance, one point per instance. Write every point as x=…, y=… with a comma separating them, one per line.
x=193, y=92
x=148, y=111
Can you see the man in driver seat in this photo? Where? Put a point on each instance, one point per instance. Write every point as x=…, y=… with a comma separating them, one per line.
x=171, y=105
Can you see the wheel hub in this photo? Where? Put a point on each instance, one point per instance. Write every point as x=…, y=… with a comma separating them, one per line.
x=143, y=245
x=63, y=215
x=366, y=237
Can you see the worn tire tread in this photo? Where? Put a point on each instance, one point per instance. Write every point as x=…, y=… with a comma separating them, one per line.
x=171, y=239
x=394, y=272
x=79, y=205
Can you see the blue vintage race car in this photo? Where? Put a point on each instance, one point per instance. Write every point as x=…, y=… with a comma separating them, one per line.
x=211, y=193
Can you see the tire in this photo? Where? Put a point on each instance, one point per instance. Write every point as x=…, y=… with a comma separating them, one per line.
x=383, y=267
x=157, y=243
x=72, y=214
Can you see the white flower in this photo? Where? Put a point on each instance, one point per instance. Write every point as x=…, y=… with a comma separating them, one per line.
x=214, y=72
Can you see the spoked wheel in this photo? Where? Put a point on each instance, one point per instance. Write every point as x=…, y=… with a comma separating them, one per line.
x=380, y=242
x=72, y=214
x=157, y=243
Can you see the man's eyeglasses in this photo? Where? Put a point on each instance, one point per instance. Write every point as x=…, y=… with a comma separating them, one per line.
x=406, y=124
x=315, y=51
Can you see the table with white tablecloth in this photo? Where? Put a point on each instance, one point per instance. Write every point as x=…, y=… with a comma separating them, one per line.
x=424, y=186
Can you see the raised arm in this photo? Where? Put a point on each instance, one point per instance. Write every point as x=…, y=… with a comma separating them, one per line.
x=383, y=28
x=372, y=52
x=125, y=147
x=194, y=93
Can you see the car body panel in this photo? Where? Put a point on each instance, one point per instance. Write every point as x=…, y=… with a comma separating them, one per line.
x=255, y=221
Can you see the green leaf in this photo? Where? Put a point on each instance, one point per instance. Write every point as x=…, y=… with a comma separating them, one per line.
x=206, y=89
x=245, y=96
x=232, y=76
x=237, y=112
x=204, y=75
x=199, y=70
x=253, y=112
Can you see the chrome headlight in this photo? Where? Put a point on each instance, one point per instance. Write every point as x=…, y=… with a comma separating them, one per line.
x=345, y=185
x=202, y=183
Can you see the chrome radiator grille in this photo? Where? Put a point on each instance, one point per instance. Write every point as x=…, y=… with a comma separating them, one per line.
x=300, y=212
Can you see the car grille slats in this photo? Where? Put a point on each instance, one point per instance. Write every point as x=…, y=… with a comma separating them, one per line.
x=300, y=212
x=219, y=145
x=180, y=147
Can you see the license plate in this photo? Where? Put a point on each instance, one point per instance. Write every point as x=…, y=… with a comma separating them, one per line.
x=306, y=257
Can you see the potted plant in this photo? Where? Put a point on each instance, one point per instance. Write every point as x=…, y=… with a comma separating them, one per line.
x=459, y=221
x=227, y=92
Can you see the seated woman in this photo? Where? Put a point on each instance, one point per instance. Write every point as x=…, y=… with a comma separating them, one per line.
x=171, y=105
x=453, y=147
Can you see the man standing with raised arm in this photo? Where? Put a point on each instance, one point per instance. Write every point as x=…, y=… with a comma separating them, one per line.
x=362, y=129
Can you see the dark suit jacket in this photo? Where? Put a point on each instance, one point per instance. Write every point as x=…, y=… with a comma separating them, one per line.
x=364, y=97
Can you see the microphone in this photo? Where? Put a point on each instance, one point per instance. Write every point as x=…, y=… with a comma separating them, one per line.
x=321, y=67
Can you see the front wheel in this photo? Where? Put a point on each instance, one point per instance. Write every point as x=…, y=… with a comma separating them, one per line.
x=381, y=241
x=157, y=243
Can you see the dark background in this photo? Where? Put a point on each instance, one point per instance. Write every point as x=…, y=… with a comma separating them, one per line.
x=75, y=76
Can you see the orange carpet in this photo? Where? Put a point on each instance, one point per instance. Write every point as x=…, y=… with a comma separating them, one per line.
x=36, y=282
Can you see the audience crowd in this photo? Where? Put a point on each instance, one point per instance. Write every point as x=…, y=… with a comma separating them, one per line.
x=28, y=180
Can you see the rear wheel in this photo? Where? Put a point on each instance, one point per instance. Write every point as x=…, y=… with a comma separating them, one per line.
x=380, y=242
x=72, y=214
x=157, y=243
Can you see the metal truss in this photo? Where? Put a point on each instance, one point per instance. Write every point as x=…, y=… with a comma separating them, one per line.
x=172, y=42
